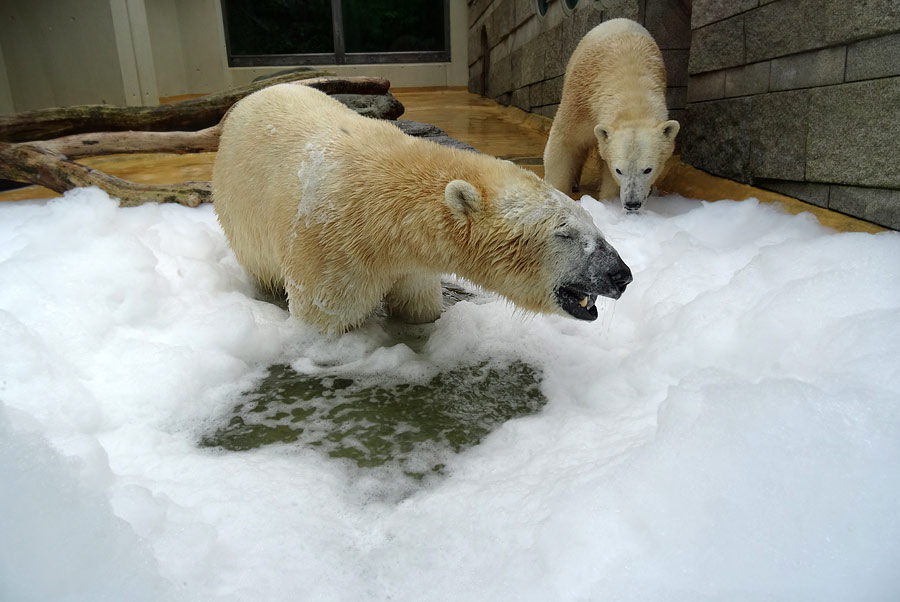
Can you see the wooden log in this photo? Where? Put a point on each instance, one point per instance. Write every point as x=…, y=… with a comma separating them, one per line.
x=45, y=162
x=193, y=114
x=27, y=163
x=352, y=84
x=111, y=143
x=202, y=141
x=48, y=163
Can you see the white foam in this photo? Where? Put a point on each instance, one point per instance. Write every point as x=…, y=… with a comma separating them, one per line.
x=731, y=431
x=60, y=540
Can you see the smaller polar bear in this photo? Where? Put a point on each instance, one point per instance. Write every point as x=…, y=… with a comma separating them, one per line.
x=614, y=96
x=343, y=212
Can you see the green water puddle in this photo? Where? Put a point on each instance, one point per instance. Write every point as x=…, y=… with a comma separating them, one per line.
x=414, y=426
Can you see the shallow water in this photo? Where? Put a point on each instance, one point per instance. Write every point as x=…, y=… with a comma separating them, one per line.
x=385, y=422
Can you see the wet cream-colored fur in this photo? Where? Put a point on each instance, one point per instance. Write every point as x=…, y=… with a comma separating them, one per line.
x=614, y=97
x=343, y=211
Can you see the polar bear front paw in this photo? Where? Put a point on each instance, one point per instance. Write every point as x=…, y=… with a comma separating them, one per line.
x=415, y=299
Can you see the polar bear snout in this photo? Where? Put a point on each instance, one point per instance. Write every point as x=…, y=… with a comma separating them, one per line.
x=614, y=280
x=621, y=278
x=608, y=274
x=634, y=194
x=603, y=274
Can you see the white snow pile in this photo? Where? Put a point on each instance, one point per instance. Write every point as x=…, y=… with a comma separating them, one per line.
x=728, y=430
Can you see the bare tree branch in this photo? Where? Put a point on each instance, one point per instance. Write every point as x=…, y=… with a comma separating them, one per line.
x=28, y=163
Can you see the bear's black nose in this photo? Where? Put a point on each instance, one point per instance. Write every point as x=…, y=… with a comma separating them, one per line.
x=621, y=278
x=632, y=206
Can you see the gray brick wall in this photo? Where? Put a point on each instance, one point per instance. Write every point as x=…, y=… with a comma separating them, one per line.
x=526, y=53
x=799, y=97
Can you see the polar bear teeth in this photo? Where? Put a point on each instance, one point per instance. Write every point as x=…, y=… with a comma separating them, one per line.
x=587, y=302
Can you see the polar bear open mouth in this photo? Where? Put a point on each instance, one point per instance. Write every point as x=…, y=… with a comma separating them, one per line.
x=577, y=303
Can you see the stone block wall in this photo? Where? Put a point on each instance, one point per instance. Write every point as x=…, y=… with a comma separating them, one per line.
x=518, y=56
x=801, y=97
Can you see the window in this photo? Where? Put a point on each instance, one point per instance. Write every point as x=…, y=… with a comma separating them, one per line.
x=542, y=7
x=307, y=32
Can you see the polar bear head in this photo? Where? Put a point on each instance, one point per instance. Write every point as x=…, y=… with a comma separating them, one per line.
x=635, y=157
x=535, y=246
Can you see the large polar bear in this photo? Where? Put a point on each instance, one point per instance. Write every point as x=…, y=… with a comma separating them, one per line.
x=342, y=212
x=614, y=96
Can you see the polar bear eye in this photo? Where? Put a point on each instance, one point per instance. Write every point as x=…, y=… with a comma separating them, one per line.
x=648, y=170
x=565, y=232
x=618, y=171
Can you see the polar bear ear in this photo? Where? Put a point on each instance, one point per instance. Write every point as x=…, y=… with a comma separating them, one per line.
x=669, y=129
x=463, y=199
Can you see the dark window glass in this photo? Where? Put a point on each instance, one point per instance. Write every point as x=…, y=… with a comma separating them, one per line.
x=571, y=3
x=279, y=26
x=393, y=25
x=542, y=7
x=298, y=32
